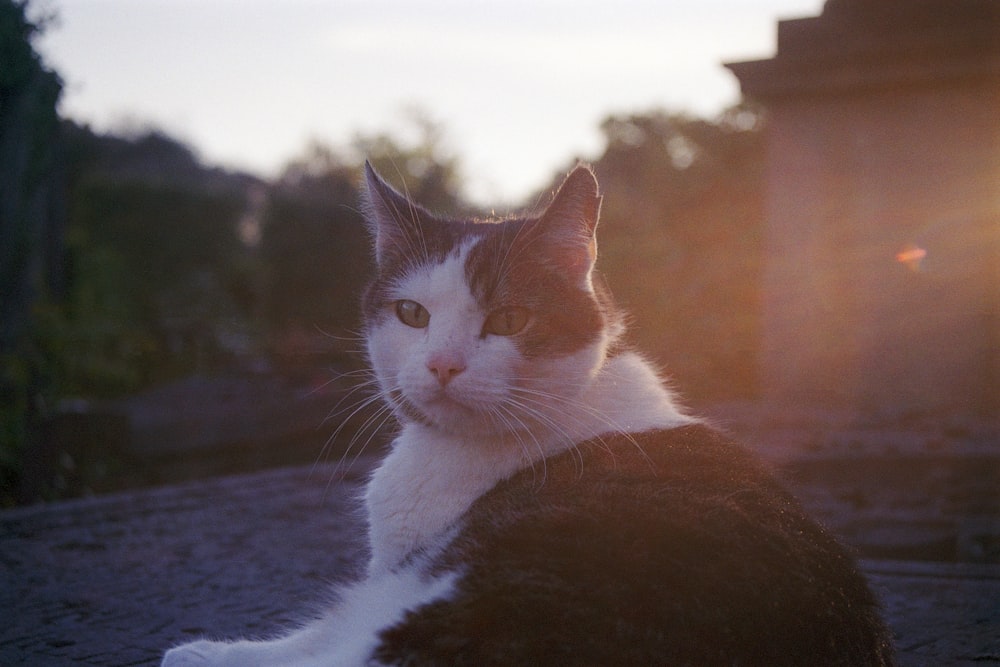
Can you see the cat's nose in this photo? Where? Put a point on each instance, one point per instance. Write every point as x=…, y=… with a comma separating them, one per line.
x=445, y=367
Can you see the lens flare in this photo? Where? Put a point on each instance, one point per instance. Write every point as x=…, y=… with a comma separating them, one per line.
x=911, y=256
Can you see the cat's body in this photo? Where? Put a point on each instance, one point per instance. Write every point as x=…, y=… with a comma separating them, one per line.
x=545, y=501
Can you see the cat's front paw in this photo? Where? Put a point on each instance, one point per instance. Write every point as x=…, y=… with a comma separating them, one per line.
x=197, y=654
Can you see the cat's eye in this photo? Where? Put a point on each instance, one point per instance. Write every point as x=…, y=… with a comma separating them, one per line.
x=507, y=321
x=412, y=314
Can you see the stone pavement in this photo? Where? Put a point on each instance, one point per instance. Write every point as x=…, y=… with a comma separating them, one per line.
x=115, y=580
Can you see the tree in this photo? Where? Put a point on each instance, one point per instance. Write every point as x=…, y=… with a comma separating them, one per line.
x=315, y=250
x=423, y=168
x=160, y=275
x=315, y=245
x=680, y=242
x=30, y=222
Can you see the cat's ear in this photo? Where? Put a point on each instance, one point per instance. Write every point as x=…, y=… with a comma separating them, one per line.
x=570, y=223
x=393, y=220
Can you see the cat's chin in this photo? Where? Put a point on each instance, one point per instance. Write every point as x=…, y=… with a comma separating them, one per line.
x=450, y=416
x=457, y=419
x=438, y=412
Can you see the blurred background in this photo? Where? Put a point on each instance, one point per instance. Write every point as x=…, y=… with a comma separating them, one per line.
x=801, y=212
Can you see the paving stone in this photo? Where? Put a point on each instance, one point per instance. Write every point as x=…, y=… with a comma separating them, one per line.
x=118, y=579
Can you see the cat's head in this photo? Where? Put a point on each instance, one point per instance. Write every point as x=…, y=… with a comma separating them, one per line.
x=480, y=327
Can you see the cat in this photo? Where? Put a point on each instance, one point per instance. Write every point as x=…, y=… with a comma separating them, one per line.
x=546, y=501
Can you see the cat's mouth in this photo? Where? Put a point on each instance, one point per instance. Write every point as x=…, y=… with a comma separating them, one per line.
x=440, y=410
x=408, y=409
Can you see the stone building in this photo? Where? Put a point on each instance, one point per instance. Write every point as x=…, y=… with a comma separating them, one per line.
x=882, y=282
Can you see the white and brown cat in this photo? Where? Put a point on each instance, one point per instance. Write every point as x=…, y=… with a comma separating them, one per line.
x=545, y=501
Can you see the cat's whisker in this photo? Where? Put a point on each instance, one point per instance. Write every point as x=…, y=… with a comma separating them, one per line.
x=544, y=420
x=354, y=336
x=515, y=430
x=338, y=376
x=371, y=395
x=357, y=387
x=614, y=426
x=569, y=441
x=536, y=412
x=374, y=426
x=359, y=408
x=587, y=415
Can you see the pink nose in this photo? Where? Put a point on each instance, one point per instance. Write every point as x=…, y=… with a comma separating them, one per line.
x=445, y=367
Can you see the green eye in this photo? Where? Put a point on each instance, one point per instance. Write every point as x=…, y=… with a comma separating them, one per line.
x=412, y=314
x=507, y=321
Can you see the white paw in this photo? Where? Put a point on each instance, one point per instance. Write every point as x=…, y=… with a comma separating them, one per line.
x=196, y=654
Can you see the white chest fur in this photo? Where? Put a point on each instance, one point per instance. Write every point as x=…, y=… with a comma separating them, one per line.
x=426, y=482
x=430, y=478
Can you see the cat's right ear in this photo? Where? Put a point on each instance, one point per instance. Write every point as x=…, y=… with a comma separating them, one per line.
x=569, y=224
x=393, y=220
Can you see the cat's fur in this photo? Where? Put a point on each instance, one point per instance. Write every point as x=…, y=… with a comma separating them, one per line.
x=545, y=502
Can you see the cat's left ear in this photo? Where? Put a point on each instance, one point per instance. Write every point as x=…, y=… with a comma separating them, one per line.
x=570, y=223
x=393, y=220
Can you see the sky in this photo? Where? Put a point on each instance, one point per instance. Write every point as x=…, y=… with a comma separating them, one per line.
x=520, y=87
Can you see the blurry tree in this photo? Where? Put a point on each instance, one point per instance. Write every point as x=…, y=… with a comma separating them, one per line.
x=423, y=167
x=30, y=236
x=158, y=271
x=29, y=194
x=156, y=283
x=680, y=242
x=315, y=252
x=315, y=246
x=149, y=278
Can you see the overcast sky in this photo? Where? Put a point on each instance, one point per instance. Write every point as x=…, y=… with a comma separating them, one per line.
x=520, y=86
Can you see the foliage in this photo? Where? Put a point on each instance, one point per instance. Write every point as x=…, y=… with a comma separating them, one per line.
x=29, y=236
x=423, y=168
x=157, y=264
x=315, y=246
x=681, y=239
x=315, y=251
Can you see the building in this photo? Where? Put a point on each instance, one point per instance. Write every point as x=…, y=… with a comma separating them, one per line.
x=881, y=286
